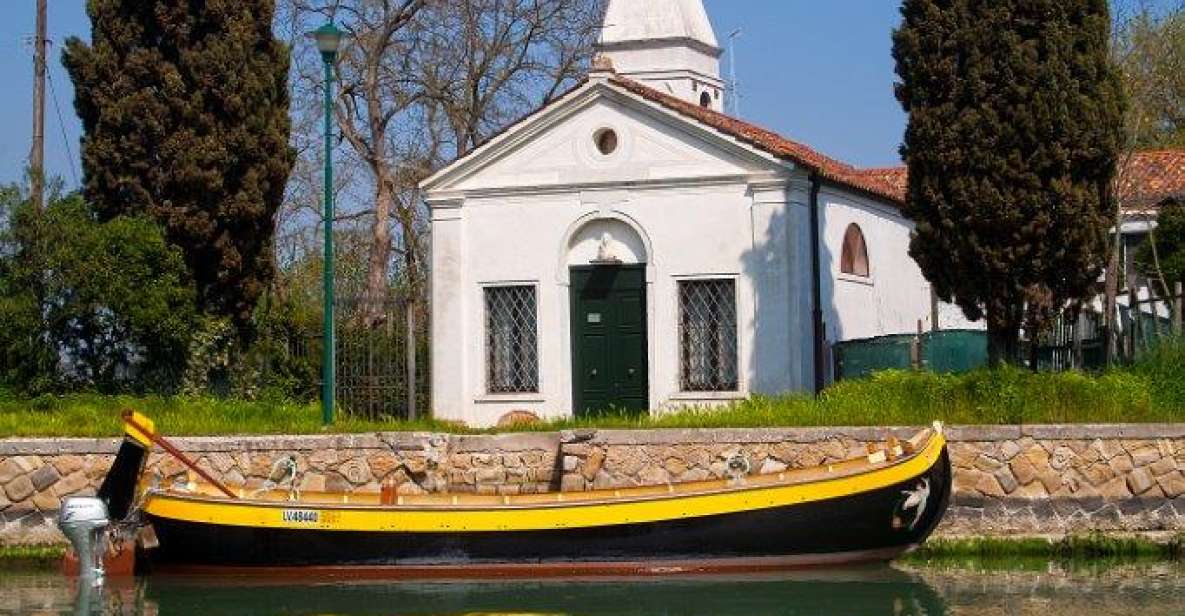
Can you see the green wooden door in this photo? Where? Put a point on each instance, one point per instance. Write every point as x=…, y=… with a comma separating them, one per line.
x=609, y=340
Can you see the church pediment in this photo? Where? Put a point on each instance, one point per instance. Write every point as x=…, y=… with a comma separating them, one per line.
x=599, y=135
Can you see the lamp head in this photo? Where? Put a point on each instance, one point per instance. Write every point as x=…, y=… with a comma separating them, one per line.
x=328, y=38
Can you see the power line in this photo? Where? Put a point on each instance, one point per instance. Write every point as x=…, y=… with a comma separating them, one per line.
x=53, y=93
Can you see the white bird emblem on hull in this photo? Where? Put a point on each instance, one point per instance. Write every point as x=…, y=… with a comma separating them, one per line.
x=914, y=499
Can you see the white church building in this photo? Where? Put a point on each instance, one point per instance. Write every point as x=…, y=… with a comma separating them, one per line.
x=629, y=246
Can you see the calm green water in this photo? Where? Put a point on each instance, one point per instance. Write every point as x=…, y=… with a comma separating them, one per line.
x=1148, y=590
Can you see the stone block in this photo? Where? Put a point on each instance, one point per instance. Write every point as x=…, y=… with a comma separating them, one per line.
x=312, y=482
x=1098, y=473
x=1006, y=480
x=987, y=463
x=323, y=459
x=593, y=463
x=68, y=463
x=9, y=470
x=381, y=464
x=654, y=476
x=695, y=474
x=491, y=476
x=578, y=449
x=988, y=485
x=1038, y=457
x=356, y=471
x=1023, y=469
x=770, y=466
x=1009, y=450
x=571, y=463
x=1121, y=464
x=572, y=483
x=966, y=480
x=1033, y=491
x=19, y=489
x=1139, y=481
x=1163, y=466
x=71, y=483
x=1063, y=457
x=234, y=478
x=336, y=483
x=1173, y=484
x=97, y=467
x=44, y=477
x=1145, y=455
x=1115, y=489
x=46, y=501
x=29, y=464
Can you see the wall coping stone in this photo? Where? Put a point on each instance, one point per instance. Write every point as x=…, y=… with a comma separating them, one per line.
x=411, y=441
x=523, y=441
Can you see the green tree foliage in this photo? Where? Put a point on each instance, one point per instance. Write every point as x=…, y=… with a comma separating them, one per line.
x=1015, y=125
x=1164, y=253
x=101, y=305
x=184, y=106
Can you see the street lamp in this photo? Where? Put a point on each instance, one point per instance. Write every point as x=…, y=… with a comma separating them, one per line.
x=328, y=38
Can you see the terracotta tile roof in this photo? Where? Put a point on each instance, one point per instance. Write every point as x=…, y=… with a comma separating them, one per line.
x=864, y=180
x=1151, y=177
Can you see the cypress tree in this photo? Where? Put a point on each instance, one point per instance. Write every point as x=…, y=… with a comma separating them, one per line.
x=184, y=108
x=1015, y=127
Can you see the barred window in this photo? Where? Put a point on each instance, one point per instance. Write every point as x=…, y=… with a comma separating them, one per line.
x=512, y=356
x=708, y=335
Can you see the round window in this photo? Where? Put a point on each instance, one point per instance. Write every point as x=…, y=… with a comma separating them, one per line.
x=606, y=140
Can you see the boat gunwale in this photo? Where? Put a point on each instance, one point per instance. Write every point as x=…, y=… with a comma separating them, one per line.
x=664, y=492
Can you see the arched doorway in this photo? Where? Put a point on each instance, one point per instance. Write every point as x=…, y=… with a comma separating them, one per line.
x=606, y=261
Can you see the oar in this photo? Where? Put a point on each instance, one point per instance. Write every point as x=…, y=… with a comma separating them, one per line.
x=130, y=419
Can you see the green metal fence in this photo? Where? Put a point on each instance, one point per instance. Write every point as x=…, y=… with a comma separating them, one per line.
x=946, y=351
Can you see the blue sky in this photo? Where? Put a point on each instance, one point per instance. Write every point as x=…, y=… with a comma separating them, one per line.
x=817, y=72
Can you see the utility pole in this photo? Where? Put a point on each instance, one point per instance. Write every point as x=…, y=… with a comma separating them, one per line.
x=37, y=152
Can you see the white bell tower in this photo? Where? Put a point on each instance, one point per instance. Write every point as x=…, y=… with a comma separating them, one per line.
x=667, y=44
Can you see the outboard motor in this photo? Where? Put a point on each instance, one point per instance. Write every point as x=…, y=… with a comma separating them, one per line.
x=84, y=521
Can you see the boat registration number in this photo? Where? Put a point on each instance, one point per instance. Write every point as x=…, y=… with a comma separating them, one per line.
x=300, y=516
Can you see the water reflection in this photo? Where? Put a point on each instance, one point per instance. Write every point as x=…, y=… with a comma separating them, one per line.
x=876, y=591
x=916, y=591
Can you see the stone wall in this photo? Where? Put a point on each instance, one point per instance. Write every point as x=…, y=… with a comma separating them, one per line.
x=1032, y=479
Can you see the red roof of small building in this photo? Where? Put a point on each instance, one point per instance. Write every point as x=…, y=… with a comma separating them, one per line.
x=864, y=180
x=1152, y=177
x=1149, y=178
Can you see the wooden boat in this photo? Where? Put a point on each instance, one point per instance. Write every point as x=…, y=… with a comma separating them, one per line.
x=870, y=508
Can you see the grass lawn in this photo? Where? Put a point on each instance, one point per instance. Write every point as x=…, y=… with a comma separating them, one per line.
x=1152, y=391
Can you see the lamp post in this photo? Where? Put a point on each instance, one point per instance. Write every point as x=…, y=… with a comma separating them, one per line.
x=328, y=38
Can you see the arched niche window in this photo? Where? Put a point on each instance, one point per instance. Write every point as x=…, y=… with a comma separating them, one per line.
x=705, y=99
x=853, y=260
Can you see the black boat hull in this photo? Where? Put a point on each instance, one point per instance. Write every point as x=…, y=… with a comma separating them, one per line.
x=865, y=526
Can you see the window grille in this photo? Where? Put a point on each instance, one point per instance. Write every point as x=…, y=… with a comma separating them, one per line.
x=512, y=357
x=708, y=335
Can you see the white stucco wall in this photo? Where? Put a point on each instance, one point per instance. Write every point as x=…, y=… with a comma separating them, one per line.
x=687, y=202
x=895, y=296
